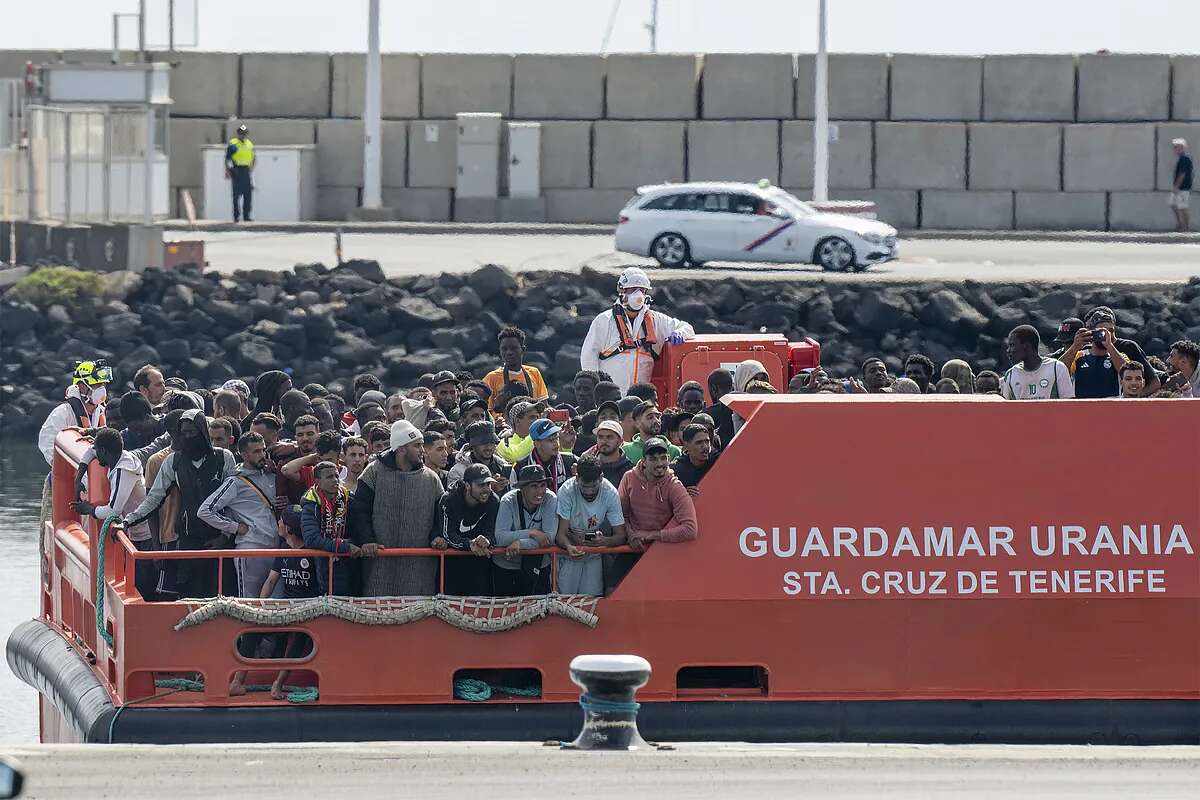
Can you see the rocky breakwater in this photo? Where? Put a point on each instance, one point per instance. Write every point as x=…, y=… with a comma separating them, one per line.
x=328, y=324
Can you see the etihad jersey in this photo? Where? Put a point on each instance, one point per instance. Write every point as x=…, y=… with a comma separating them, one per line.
x=1051, y=379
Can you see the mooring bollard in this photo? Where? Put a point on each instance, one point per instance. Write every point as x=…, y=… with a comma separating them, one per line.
x=609, y=710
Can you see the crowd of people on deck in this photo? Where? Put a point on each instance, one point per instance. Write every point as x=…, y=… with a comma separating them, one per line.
x=521, y=483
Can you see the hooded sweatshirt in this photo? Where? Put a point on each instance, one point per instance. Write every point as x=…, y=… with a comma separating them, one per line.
x=127, y=490
x=662, y=505
x=745, y=373
x=458, y=523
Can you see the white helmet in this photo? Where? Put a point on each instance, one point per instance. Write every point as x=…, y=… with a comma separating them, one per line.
x=633, y=278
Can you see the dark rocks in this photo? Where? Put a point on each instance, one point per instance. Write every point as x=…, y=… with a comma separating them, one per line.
x=491, y=280
x=946, y=309
x=414, y=365
x=255, y=355
x=15, y=317
x=412, y=312
x=364, y=268
x=463, y=306
x=882, y=311
x=353, y=350
x=350, y=282
x=229, y=314
x=175, y=351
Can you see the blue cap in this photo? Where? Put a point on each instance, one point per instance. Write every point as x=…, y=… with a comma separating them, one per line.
x=543, y=429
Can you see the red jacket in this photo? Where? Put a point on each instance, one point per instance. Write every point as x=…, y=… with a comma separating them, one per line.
x=662, y=506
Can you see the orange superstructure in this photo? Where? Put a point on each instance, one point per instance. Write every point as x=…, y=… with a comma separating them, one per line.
x=868, y=567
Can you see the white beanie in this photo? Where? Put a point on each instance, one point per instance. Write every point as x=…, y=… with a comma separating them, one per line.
x=404, y=433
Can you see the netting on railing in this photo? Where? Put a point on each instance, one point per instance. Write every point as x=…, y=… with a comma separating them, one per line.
x=477, y=614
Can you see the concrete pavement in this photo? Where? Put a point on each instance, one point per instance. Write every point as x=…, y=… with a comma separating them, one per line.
x=500, y=771
x=1065, y=262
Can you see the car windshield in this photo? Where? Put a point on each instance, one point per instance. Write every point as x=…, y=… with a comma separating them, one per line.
x=790, y=202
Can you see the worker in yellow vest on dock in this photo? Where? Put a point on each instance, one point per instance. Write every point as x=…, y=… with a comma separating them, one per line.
x=239, y=162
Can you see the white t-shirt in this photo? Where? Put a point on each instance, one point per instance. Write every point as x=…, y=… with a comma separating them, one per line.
x=1051, y=379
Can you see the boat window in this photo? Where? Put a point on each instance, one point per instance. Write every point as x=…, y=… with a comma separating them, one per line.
x=722, y=680
x=289, y=645
x=500, y=683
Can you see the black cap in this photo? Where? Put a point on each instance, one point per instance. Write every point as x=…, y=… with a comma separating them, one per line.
x=655, y=444
x=1067, y=330
x=445, y=376
x=626, y=405
x=531, y=473
x=609, y=404
x=643, y=407
x=471, y=402
x=1100, y=312
x=481, y=432
x=478, y=473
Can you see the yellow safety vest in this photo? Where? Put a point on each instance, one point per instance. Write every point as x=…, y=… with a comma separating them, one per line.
x=243, y=156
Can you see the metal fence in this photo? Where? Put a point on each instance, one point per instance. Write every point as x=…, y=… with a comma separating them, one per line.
x=97, y=164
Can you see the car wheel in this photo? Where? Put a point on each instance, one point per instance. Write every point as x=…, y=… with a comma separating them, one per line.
x=835, y=255
x=671, y=250
x=694, y=264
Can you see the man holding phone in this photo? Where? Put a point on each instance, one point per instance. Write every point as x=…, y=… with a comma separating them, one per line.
x=587, y=506
x=1096, y=355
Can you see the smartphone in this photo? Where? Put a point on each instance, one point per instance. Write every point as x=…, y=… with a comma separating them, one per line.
x=559, y=416
x=1098, y=336
x=591, y=536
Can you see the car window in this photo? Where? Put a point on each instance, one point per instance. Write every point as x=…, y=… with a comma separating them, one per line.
x=716, y=202
x=745, y=204
x=663, y=203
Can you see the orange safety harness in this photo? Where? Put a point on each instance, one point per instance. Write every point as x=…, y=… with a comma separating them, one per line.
x=628, y=340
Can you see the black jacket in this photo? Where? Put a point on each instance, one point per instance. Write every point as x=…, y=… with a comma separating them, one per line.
x=458, y=524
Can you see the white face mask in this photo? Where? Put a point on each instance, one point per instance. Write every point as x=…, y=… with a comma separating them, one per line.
x=99, y=395
x=635, y=299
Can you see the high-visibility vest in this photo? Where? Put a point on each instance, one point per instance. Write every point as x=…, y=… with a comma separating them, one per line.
x=628, y=339
x=243, y=154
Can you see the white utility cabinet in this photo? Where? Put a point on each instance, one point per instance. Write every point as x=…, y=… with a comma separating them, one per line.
x=285, y=183
x=524, y=159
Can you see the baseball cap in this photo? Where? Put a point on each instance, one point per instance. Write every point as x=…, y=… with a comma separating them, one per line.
x=481, y=432
x=643, y=407
x=655, y=444
x=1099, y=311
x=543, y=429
x=404, y=433
x=445, y=376
x=470, y=403
x=1067, y=330
x=611, y=405
x=531, y=473
x=626, y=405
x=612, y=426
x=477, y=473
x=373, y=396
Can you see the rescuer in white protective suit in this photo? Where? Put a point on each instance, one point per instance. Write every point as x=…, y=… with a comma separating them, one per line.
x=628, y=338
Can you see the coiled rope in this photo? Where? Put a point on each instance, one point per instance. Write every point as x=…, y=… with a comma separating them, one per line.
x=478, y=691
x=295, y=694
x=101, y=628
x=600, y=705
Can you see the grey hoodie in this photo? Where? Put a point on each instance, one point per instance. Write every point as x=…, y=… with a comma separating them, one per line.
x=235, y=501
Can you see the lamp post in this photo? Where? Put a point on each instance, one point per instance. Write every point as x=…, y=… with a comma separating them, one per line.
x=821, y=109
x=372, y=115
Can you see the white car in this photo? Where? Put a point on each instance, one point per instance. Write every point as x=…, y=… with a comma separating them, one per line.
x=684, y=224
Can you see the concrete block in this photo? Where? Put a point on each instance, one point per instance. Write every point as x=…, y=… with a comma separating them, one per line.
x=733, y=151
x=558, y=87
x=339, y=152
x=849, y=156
x=896, y=207
x=452, y=83
x=644, y=86
x=12, y=62
x=858, y=86
x=1014, y=156
x=285, y=84
x=432, y=154
x=1108, y=158
x=419, y=205
x=187, y=137
x=637, y=153
x=1123, y=87
x=586, y=205
x=953, y=210
x=401, y=95
x=1061, y=211
x=278, y=131
x=1166, y=156
x=203, y=84
x=1029, y=88
x=1185, y=87
x=476, y=209
x=747, y=86
x=1142, y=211
x=566, y=155
x=937, y=87
x=336, y=203
x=920, y=155
x=395, y=153
x=522, y=209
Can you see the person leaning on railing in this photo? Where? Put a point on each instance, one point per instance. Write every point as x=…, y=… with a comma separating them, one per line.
x=588, y=506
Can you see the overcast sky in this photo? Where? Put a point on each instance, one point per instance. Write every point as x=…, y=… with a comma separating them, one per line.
x=920, y=26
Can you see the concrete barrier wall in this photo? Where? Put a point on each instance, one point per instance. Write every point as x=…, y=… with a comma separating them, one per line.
x=1070, y=141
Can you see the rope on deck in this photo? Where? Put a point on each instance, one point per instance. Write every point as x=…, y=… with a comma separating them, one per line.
x=478, y=691
x=295, y=694
x=475, y=614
